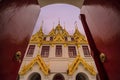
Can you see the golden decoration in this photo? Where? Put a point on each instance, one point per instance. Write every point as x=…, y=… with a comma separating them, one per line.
x=76, y=62
x=102, y=57
x=18, y=56
x=39, y=61
x=58, y=35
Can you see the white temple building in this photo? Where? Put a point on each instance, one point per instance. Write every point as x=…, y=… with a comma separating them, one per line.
x=58, y=56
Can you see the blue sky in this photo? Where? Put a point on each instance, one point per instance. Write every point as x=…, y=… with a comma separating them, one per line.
x=51, y=14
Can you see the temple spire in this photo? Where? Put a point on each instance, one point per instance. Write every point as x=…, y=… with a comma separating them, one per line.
x=64, y=25
x=42, y=22
x=41, y=27
x=76, y=27
x=59, y=21
x=53, y=25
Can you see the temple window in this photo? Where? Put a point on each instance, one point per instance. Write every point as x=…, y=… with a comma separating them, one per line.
x=44, y=38
x=86, y=51
x=72, y=39
x=30, y=50
x=72, y=51
x=51, y=38
x=66, y=39
x=45, y=51
x=58, y=51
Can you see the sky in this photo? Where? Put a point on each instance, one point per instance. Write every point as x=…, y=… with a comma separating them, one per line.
x=50, y=15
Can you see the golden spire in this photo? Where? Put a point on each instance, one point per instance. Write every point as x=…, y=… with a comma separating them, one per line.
x=41, y=25
x=42, y=22
x=40, y=32
x=76, y=27
x=59, y=21
x=64, y=25
x=53, y=25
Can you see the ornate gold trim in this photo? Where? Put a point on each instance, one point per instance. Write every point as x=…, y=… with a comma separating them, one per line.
x=58, y=35
x=76, y=62
x=38, y=59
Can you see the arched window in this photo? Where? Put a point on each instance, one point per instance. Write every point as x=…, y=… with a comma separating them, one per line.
x=34, y=76
x=81, y=76
x=58, y=76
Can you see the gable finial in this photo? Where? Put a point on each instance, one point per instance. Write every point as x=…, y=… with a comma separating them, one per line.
x=76, y=27
x=53, y=25
x=64, y=25
x=58, y=20
x=41, y=27
x=42, y=24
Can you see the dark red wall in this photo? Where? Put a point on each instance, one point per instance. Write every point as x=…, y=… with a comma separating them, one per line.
x=103, y=19
x=16, y=26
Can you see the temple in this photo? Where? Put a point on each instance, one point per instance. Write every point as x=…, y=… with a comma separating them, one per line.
x=58, y=56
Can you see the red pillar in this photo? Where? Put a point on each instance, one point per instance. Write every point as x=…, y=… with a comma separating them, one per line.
x=96, y=52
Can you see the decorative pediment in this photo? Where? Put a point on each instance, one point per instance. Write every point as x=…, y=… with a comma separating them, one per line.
x=75, y=64
x=65, y=33
x=37, y=37
x=59, y=35
x=52, y=32
x=58, y=38
x=77, y=33
x=58, y=27
x=38, y=59
x=79, y=37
